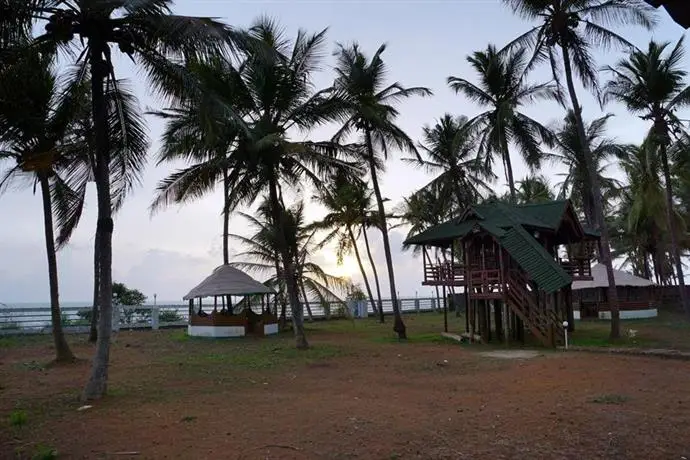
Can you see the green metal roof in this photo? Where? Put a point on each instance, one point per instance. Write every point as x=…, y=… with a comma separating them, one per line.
x=535, y=260
x=549, y=213
x=508, y=225
x=496, y=215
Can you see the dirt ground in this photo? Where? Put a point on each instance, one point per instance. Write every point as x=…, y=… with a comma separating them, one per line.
x=357, y=394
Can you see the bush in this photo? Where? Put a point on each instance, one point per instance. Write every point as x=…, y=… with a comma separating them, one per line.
x=169, y=316
x=18, y=418
x=44, y=452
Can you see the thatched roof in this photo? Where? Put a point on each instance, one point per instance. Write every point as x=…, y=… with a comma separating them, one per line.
x=227, y=280
x=601, y=280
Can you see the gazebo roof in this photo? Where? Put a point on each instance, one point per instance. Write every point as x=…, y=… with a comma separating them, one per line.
x=600, y=279
x=227, y=280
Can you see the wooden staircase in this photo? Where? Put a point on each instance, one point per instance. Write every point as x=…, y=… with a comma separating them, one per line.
x=544, y=324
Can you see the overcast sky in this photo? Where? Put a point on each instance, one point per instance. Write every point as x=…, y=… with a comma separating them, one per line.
x=171, y=252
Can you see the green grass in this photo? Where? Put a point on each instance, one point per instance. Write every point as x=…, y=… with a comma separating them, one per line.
x=614, y=399
x=18, y=418
x=668, y=330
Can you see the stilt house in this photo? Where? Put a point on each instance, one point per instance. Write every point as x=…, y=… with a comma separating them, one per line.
x=513, y=263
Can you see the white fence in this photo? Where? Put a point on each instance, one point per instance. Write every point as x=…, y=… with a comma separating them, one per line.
x=77, y=319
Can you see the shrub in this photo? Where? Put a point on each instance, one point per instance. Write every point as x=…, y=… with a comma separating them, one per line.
x=18, y=418
x=44, y=452
x=169, y=316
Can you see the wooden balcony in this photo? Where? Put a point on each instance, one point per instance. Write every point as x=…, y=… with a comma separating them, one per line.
x=578, y=269
x=443, y=274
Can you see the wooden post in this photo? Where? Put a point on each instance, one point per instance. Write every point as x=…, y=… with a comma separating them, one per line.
x=445, y=310
x=191, y=308
x=497, y=320
x=466, y=288
x=215, y=303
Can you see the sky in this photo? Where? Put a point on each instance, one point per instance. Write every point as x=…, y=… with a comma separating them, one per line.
x=169, y=253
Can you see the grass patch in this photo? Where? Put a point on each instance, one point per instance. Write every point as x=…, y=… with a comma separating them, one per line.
x=18, y=418
x=261, y=356
x=188, y=418
x=428, y=337
x=44, y=452
x=614, y=399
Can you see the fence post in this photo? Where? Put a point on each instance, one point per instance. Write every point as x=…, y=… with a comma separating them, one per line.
x=416, y=305
x=154, y=317
x=433, y=304
x=116, y=318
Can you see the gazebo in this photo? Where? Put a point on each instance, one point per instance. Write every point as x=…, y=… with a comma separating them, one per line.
x=636, y=296
x=225, y=285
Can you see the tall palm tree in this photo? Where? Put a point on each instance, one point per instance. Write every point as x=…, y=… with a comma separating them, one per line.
x=262, y=249
x=642, y=212
x=503, y=90
x=370, y=110
x=278, y=79
x=653, y=85
x=569, y=152
x=37, y=118
x=447, y=151
x=199, y=132
x=345, y=198
x=146, y=31
x=566, y=33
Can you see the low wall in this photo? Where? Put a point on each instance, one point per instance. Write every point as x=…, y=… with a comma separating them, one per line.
x=215, y=331
x=625, y=314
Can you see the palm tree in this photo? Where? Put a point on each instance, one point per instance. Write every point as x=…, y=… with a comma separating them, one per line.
x=447, y=152
x=141, y=29
x=421, y=210
x=534, y=189
x=643, y=230
x=277, y=76
x=345, y=198
x=198, y=131
x=653, y=86
x=37, y=119
x=503, y=90
x=569, y=152
x=571, y=29
x=370, y=110
x=263, y=249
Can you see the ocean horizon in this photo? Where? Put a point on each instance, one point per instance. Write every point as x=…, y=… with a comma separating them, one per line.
x=76, y=304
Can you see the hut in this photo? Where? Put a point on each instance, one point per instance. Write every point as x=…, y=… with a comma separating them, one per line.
x=515, y=265
x=636, y=296
x=220, y=319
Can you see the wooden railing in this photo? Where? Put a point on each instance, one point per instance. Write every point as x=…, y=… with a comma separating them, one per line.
x=523, y=304
x=485, y=284
x=578, y=269
x=444, y=273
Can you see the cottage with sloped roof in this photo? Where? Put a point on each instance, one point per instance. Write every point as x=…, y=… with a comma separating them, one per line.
x=515, y=264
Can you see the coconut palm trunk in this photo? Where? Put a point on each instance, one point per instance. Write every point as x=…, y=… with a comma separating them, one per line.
x=509, y=172
x=599, y=220
x=675, y=249
x=398, y=325
x=361, y=268
x=226, y=217
x=376, y=275
x=63, y=354
x=93, y=329
x=288, y=269
x=310, y=315
x=97, y=384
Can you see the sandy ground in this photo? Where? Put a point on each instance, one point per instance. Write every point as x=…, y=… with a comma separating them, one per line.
x=350, y=397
